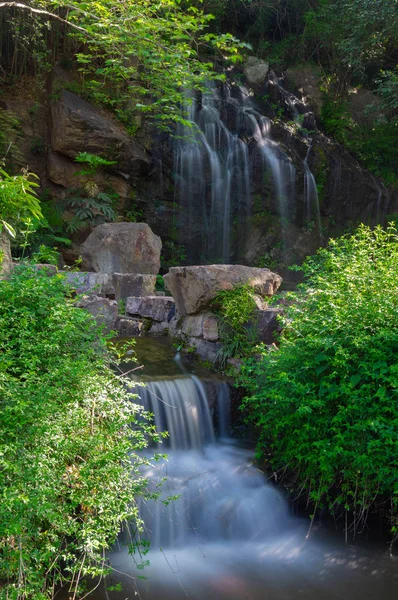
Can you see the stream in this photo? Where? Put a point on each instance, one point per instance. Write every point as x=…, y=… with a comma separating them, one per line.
x=230, y=535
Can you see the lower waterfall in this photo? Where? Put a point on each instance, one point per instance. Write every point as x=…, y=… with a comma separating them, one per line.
x=221, y=496
x=229, y=534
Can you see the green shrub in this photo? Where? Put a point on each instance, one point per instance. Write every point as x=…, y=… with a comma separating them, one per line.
x=46, y=255
x=235, y=310
x=69, y=436
x=326, y=402
x=18, y=200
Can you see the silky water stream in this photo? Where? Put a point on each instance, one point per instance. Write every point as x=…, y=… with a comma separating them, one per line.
x=230, y=535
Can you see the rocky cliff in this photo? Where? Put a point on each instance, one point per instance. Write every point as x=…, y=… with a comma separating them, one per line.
x=258, y=183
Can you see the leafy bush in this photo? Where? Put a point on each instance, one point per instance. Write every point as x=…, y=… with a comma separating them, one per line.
x=46, y=255
x=235, y=310
x=141, y=58
x=18, y=200
x=69, y=433
x=89, y=204
x=326, y=403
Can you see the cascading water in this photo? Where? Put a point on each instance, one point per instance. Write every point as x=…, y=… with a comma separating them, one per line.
x=212, y=177
x=228, y=535
x=213, y=166
x=311, y=193
x=280, y=166
x=221, y=497
x=311, y=196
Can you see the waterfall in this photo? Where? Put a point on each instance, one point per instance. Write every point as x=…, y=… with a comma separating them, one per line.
x=214, y=170
x=220, y=495
x=281, y=167
x=212, y=176
x=311, y=192
x=181, y=408
x=227, y=535
x=311, y=197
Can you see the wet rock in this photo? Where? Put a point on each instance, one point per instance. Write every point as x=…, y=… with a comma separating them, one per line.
x=99, y=284
x=204, y=325
x=256, y=70
x=211, y=329
x=77, y=126
x=212, y=388
x=306, y=81
x=128, y=284
x=194, y=288
x=207, y=351
x=129, y=327
x=159, y=328
x=235, y=364
x=175, y=326
x=103, y=310
x=122, y=248
x=309, y=122
x=268, y=325
x=157, y=308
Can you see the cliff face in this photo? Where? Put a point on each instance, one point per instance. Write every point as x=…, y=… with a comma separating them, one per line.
x=253, y=180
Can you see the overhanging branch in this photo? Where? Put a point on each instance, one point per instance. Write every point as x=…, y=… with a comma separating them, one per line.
x=38, y=11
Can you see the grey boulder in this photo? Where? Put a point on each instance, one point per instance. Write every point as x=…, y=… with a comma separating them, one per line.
x=194, y=288
x=204, y=325
x=122, y=248
x=129, y=327
x=256, y=70
x=104, y=311
x=157, y=308
x=99, y=284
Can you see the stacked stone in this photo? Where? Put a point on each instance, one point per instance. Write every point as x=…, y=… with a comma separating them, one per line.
x=122, y=260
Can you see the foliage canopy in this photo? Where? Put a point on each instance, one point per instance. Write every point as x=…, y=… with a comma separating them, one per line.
x=134, y=55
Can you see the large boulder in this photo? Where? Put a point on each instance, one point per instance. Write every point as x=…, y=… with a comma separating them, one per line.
x=122, y=248
x=77, y=126
x=194, y=288
x=129, y=327
x=306, y=82
x=268, y=325
x=207, y=351
x=256, y=70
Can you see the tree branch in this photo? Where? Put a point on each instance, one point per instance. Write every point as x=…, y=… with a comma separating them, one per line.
x=38, y=11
